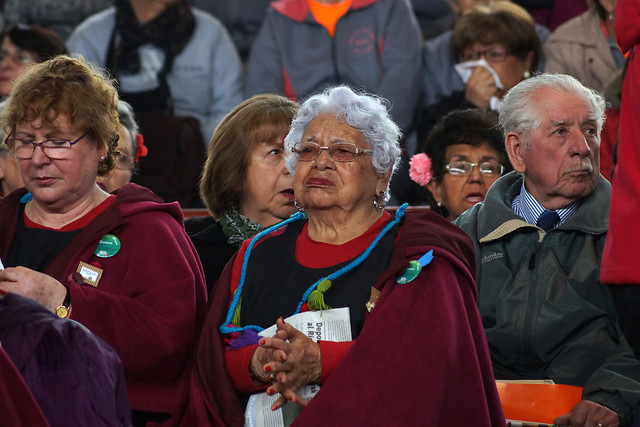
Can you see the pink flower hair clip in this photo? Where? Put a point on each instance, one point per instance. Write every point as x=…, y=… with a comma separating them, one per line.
x=420, y=169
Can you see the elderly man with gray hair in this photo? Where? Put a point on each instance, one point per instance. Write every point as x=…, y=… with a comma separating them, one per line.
x=539, y=237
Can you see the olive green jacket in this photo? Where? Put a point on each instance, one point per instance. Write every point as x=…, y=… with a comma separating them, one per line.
x=543, y=308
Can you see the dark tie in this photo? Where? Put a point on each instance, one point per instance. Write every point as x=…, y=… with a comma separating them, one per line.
x=547, y=220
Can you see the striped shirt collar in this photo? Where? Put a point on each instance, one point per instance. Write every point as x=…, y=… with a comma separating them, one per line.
x=526, y=206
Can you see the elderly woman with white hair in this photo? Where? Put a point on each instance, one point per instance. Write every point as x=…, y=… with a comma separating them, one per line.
x=417, y=353
x=128, y=151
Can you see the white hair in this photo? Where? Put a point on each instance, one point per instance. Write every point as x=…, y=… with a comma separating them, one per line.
x=362, y=111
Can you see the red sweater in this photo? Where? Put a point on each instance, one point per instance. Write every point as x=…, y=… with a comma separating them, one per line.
x=324, y=255
x=619, y=260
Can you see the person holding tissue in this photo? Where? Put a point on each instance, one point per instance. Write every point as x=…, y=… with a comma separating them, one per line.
x=496, y=46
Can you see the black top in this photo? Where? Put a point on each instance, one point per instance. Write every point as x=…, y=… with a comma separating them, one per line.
x=35, y=248
x=197, y=223
x=214, y=252
x=276, y=281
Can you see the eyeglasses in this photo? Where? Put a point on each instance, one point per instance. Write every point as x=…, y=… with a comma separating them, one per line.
x=55, y=149
x=464, y=168
x=123, y=161
x=19, y=57
x=493, y=54
x=339, y=151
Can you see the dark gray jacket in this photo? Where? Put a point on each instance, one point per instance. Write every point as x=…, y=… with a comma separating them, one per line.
x=376, y=47
x=544, y=310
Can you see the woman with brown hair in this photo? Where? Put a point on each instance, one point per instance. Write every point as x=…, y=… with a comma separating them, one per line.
x=496, y=46
x=22, y=46
x=120, y=264
x=245, y=184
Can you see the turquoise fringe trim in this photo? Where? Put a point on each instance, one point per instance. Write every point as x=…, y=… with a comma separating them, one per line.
x=226, y=329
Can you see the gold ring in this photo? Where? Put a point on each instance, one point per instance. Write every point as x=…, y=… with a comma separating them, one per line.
x=272, y=378
x=600, y=425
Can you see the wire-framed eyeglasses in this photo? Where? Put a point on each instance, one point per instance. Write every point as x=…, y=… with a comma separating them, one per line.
x=55, y=149
x=19, y=57
x=338, y=151
x=462, y=167
x=124, y=161
x=492, y=55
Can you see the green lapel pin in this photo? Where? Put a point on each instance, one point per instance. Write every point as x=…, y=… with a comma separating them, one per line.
x=415, y=267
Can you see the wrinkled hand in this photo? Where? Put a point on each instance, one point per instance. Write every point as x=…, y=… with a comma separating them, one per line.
x=32, y=284
x=269, y=350
x=480, y=88
x=589, y=414
x=294, y=362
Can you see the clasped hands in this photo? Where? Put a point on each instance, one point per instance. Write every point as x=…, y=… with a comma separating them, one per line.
x=289, y=360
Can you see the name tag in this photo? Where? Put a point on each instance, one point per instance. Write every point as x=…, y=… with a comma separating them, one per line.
x=90, y=274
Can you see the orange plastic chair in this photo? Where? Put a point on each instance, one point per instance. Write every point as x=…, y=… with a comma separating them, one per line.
x=537, y=403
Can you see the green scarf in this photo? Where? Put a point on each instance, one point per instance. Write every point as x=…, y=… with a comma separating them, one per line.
x=238, y=228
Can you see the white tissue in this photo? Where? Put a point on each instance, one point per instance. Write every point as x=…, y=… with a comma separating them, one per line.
x=464, y=69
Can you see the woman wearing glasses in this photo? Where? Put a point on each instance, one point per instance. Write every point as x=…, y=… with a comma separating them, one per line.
x=23, y=46
x=416, y=353
x=120, y=264
x=462, y=156
x=496, y=46
x=128, y=151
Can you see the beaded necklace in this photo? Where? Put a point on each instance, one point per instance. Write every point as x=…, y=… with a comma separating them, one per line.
x=319, y=287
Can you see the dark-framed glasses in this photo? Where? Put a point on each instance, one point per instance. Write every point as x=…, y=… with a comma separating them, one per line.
x=56, y=149
x=493, y=54
x=124, y=161
x=462, y=167
x=339, y=151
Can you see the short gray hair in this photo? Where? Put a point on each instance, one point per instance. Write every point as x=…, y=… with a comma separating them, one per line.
x=126, y=117
x=365, y=112
x=519, y=114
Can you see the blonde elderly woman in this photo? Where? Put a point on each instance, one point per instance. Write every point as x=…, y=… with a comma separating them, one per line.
x=417, y=352
x=121, y=264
